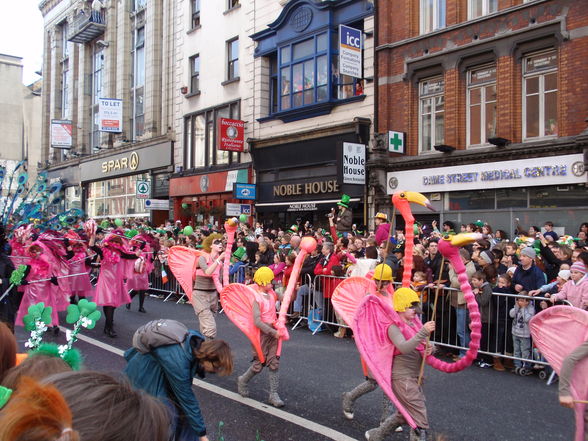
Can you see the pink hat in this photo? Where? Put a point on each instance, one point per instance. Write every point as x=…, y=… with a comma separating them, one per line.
x=578, y=266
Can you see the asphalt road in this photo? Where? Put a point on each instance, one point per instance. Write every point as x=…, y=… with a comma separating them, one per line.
x=473, y=405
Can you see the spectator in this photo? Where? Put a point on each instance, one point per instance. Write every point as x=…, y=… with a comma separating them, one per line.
x=554, y=255
x=164, y=359
x=551, y=288
x=7, y=350
x=266, y=254
x=295, y=244
x=549, y=234
x=35, y=366
x=306, y=279
x=382, y=228
x=521, y=314
x=483, y=293
x=575, y=290
x=500, y=236
x=324, y=267
x=528, y=276
x=278, y=268
x=344, y=218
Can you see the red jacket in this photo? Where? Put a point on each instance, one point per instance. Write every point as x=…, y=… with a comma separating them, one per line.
x=327, y=284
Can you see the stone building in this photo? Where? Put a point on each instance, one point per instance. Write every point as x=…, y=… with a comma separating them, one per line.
x=108, y=103
x=482, y=105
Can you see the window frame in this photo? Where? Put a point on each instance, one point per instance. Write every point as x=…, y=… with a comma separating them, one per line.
x=231, y=75
x=483, y=103
x=209, y=120
x=194, y=75
x=138, y=90
x=540, y=74
x=97, y=86
x=430, y=96
x=486, y=10
x=195, y=14
x=232, y=4
x=436, y=22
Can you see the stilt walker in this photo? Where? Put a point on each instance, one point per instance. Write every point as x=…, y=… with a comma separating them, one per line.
x=111, y=291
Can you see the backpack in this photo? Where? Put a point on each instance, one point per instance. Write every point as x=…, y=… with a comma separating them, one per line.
x=158, y=333
x=139, y=266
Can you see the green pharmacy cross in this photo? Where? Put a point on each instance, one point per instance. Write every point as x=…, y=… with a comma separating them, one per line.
x=396, y=142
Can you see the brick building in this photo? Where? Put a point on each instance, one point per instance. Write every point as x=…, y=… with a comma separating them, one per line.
x=488, y=102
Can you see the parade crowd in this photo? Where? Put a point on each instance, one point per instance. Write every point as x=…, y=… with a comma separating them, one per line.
x=114, y=262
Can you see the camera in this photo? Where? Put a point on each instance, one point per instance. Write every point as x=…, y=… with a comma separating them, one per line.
x=329, y=215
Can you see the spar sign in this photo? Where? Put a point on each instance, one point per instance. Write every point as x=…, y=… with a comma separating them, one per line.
x=350, y=46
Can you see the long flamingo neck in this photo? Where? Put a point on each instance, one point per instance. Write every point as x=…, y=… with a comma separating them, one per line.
x=408, y=247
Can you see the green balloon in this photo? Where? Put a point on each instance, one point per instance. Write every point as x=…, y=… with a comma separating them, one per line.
x=105, y=224
x=188, y=230
x=243, y=218
x=416, y=229
x=184, y=205
x=118, y=222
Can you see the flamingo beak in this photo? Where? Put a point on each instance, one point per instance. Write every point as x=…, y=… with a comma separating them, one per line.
x=418, y=198
x=459, y=240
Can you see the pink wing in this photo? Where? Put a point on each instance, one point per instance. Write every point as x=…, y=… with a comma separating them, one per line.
x=182, y=262
x=372, y=320
x=557, y=331
x=237, y=301
x=348, y=295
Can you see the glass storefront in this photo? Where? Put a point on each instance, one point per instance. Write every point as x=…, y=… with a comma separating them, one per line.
x=116, y=197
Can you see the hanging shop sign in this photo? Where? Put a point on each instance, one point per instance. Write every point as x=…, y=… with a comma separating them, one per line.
x=551, y=170
x=218, y=182
x=231, y=135
x=110, y=115
x=353, y=163
x=157, y=204
x=61, y=134
x=238, y=209
x=350, y=47
x=395, y=142
x=244, y=191
x=143, y=189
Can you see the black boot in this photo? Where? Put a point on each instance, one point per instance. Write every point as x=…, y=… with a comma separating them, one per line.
x=109, y=324
x=132, y=295
x=141, y=301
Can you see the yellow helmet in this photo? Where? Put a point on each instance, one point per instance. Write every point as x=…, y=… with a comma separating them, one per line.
x=382, y=272
x=263, y=276
x=380, y=215
x=404, y=298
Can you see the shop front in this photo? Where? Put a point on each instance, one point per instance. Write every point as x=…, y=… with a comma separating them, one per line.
x=202, y=199
x=118, y=185
x=532, y=190
x=303, y=180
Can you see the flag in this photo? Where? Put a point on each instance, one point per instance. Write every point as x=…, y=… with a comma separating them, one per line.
x=164, y=278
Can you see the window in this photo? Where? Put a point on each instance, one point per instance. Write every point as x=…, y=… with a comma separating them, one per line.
x=232, y=4
x=232, y=59
x=139, y=5
x=431, y=113
x=479, y=8
x=432, y=15
x=64, y=42
x=481, y=105
x=200, y=138
x=65, y=89
x=195, y=13
x=138, y=83
x=194, y=73
x=116, y=198
x=97, y=85
x=540, y=95
x=304, y=72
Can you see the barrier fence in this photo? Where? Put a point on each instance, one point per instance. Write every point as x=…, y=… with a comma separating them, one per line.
x=312, y=306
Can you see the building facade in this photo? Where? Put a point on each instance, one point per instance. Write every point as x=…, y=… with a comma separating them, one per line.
x=312, y=107
x=481, y=105
x=108, y=104
x=213, y=88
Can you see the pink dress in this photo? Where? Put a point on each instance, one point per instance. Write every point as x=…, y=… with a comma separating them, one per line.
x=111, y=289
x=140, y=281
x=80, y=285
x=40, y=291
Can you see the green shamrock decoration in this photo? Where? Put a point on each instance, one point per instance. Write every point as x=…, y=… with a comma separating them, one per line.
x=37, y=313
x=5, y=394
x=17, y=275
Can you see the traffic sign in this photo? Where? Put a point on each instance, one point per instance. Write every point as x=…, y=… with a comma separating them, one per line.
x=143, y=189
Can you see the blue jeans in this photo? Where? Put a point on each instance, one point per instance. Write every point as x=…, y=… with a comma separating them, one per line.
x=463, y=330
x=522, y=349
x=302, y=292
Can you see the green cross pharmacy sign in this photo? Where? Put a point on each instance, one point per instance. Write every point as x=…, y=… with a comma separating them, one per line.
x=143, y=189
x=395, y=142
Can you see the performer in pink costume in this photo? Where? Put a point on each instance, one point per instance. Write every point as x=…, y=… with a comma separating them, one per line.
x=79, y=263
x=111, y=290
x=40, y=266
x=138, y=279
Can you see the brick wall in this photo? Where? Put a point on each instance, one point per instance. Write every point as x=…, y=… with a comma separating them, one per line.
x=399, y=66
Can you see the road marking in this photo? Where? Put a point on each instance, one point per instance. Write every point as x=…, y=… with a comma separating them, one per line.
x=286, y=416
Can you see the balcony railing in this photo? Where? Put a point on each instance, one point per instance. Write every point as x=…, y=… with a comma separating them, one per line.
x=87, y=26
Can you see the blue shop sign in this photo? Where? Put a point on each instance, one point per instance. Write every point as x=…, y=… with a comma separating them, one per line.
x=244, y=191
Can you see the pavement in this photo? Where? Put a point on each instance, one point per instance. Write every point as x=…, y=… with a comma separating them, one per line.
x=472, y=405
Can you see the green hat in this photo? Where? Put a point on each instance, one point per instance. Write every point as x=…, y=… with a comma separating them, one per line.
x=479, y=223
x=344, y=201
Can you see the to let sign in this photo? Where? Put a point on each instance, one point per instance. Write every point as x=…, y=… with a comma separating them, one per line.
x=110, y=113
x=231, y=134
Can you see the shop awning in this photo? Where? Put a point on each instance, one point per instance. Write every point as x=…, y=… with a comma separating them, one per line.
x=266, y=207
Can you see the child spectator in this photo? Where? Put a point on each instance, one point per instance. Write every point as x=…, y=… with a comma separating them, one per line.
x=483, y=293
x=575, y=290
x=249, y=275
x=521, y=313
x=551, y=288
x=419, y=283
x=501, y=306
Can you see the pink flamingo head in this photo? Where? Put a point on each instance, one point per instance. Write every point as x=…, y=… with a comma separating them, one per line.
x=308, y=244
x=231, y=225
x=449, y=246
x=402, y=199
